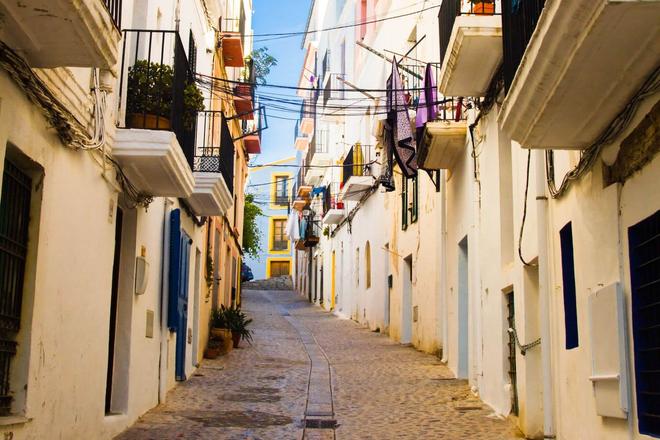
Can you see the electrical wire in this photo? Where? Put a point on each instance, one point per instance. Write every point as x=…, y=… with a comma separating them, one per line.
x=343, y=26
x=524, y=217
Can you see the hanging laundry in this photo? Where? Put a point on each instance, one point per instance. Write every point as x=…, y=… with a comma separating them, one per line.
x=427, y=109
x=318, y=190
x=292, y=227
x=403, y=141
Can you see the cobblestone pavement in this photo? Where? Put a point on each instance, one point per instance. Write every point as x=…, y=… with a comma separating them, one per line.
x=380, y=389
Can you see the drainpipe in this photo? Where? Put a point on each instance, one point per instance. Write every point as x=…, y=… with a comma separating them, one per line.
x=164, y=288
x=177, y=15
x=443, y=264
x=544, y=293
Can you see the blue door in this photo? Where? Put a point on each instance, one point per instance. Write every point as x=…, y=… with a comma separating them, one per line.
x=178, y=290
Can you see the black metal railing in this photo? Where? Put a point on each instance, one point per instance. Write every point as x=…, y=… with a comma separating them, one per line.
x=114, y=8
x=311, y=151
x=518, y=24
x=334, y=88
x=215, y=151
x=357, y=162
x=450, y=9
x=155, y=78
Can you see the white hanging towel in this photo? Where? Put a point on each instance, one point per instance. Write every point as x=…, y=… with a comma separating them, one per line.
x=292, y=227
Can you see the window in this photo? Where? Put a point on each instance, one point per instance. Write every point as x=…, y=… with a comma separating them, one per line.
x=415, y=200
x=367, y=262
x=404, y=203
x=568, y=279
x=279, y=268
x=281, y=195
x=409, y=208
x=644, y=245
x=279, y=240
x=14, y=222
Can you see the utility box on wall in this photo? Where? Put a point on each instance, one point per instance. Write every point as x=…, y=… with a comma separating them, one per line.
x=609, y=351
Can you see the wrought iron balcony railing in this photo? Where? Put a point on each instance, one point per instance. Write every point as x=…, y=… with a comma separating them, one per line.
x=114, y=8
x=155, y=75
x=215, y=149
x=450, y=9
x=518, y=24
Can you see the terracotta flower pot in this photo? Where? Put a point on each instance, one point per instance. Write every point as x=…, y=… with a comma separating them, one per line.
x=211, y=353
x=236, y=338
x=148, y=121
x=484, y=8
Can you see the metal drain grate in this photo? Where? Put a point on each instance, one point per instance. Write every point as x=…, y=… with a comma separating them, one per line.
x=320, y=423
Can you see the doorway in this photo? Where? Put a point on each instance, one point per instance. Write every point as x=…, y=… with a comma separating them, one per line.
x=114, y=300
x=463, y=309
x=406, y=301
x=511, y=344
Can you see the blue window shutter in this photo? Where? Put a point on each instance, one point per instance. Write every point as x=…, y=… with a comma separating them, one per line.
x=174, y=272
x=568, y=279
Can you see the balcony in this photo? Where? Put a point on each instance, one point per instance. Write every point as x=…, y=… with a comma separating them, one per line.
x=357, y=178
x=333, y=95
x=470, y=46
x=59, y=33
x=244, y=95
x=443, y=139
x=301, y=139
x=212, y=165
x=333, y=207
x=318, y=157
x=601, y=52
x=307, y=114
x=155, y=140
x=232, y=42
x=252, y=131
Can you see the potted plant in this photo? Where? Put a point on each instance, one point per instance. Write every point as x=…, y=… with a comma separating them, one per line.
x=236, y=321
x=220, y=330
x=213, y=349
x=149, y=102
x=483, y=7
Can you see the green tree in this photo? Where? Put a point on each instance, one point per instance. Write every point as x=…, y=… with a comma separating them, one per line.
x=263, y=61
x=251, y=232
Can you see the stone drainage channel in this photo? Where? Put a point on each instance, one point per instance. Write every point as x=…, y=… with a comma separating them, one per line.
x=319, y=419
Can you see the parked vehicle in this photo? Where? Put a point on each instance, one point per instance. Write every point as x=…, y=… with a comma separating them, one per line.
x=246, y=273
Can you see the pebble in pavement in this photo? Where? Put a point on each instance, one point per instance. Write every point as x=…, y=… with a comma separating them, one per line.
x=380, y=389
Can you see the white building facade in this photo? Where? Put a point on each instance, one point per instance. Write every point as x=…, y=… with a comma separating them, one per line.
x=527, y=257
x=104, y=254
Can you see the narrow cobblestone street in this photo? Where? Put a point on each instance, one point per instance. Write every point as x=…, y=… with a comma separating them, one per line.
x=380, y=389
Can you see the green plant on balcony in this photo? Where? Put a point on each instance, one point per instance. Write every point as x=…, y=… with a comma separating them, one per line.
x=150, y=97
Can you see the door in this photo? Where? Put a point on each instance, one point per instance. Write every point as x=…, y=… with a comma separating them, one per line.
x=114, y=299
x=511, y=324
x=177, y=318
x=333, y=266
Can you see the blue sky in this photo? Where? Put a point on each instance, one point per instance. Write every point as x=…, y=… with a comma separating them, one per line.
x=271, y=16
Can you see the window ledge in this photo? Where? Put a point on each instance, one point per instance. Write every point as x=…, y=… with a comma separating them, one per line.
x=13, y=420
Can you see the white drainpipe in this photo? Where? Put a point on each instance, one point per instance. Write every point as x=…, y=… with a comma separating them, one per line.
x=544, y=292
